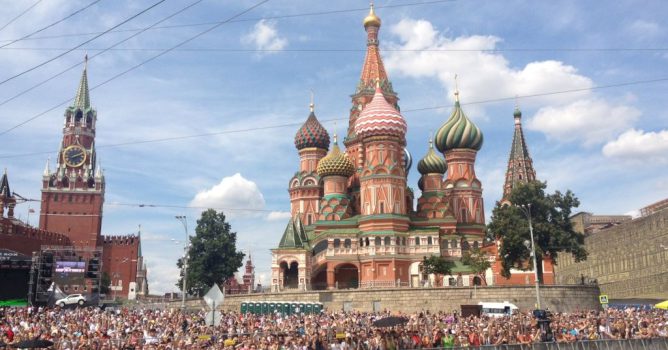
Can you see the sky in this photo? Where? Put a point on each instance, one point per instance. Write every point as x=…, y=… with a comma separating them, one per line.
x=239, y=82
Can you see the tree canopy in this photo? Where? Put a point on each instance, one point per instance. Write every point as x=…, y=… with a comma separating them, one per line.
x=552, y=228
x=212, y=253
x=437, y=265
x=478, y=261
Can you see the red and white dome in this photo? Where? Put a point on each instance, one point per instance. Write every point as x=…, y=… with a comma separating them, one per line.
x=379, y=118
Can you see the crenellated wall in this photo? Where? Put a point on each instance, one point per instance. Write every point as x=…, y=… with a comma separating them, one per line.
x=119, y=261
x=16, y=236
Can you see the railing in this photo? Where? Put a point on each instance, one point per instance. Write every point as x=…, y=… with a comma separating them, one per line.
x=623, y=344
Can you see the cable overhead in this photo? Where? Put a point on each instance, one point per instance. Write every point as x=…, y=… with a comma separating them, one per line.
x=141, y=63
x=495, y=100
x=199, y=24
x=52, y=24
x=78, y=64
x=84, y=43
x=204, y=49
x=19, y=15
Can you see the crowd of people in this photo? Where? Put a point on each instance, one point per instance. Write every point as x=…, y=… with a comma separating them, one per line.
x=93, y=328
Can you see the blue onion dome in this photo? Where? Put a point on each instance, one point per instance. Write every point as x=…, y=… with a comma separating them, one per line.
x=312, y=134
x=458, y=131
x=432, y=163
x=409, y=160
x=335, y=163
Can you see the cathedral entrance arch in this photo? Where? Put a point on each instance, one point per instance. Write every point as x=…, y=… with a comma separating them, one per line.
x=319, y=278
x=290, y=274
x=346, y=276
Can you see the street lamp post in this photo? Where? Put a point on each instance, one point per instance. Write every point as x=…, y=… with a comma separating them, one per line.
x=526, y=210
x=184, y=220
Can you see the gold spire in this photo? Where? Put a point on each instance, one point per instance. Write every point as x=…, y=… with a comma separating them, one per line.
x=371, y=19
x=456, y=90
x=311, y=105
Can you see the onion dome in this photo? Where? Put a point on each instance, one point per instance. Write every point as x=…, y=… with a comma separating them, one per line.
x=312, y=134
x=421, y=183
x=335, y=163
x=432, y=163
x=371, y=19
x=379, y=118
x=458, y=131
x=409, y=160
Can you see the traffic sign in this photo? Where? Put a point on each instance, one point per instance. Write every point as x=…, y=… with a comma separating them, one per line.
x=603, y=299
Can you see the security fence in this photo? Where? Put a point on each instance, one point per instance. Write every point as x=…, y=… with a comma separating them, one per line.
x=623, y=344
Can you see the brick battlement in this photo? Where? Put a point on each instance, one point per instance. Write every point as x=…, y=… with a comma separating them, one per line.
x=121, y=240
x=25, y=239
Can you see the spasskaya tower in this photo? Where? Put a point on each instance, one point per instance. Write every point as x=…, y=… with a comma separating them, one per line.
x=73, y=193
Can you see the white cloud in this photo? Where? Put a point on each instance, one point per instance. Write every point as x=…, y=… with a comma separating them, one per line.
x=639, y=145
x=641, y=29
x=264, y=36
x=589, y=120
x=279, y=215
x=483, y=74
x=232, y=192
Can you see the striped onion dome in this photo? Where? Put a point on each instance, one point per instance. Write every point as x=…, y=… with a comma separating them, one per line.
x=379, y=118
x=335, y=163
x=312, y=134
x=409, y=160
x=432, y=163
x=458, y=131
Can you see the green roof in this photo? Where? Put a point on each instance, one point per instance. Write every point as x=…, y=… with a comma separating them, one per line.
x=294, y=235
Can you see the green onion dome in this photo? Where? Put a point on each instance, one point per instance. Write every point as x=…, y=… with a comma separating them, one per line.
x=335, y=163
x=432, y=163
x=312, y=134
x=458, y=131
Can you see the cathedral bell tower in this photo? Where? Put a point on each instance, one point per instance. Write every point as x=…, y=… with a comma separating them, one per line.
x=73, y=193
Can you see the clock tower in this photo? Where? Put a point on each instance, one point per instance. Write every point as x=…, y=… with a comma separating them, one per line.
x=73, y=193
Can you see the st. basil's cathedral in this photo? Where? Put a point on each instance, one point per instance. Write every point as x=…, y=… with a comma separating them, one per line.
x=353, y=222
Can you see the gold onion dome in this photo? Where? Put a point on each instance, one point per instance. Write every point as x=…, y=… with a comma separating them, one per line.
x=335, y=163
x=458, y=131
x=312, y=134
x=432, y=163
x=371, y=19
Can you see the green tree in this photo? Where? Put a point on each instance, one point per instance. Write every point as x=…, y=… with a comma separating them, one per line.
x=478, y=261
x=105, y=283
x=552, y=228
x=212, y=253
x=437, y=265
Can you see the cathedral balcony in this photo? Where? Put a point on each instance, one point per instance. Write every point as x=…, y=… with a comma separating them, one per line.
x=454, y=252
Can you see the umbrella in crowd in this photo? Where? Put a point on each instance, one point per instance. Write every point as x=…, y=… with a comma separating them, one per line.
x=32, y=344
x=389, y=321
x=662, y=305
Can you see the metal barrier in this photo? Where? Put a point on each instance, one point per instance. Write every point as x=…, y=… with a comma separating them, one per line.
x=623, y=344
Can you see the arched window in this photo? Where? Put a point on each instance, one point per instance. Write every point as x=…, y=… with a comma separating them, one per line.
x=347, y=243
x=417, y=240
x=382, y=207
x=377, y=241
x=403, y=241
x=387, y=240
x=453, y=243
x=475, y=245
x=445, y=244
x=337, y=243
x=366, y=240
x=430, y=240
x=464, y=215
x=465, y=245
x=309, y=219
x=361, y=242
x=78, y=116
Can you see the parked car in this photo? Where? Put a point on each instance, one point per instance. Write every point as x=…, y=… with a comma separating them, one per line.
x=71, y=299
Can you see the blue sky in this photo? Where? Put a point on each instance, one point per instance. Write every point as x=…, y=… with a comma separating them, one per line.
x=609, y=146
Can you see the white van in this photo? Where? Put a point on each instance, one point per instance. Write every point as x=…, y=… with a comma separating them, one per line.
x=497, y=309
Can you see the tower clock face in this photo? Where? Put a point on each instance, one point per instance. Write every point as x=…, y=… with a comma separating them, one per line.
x=74, y=155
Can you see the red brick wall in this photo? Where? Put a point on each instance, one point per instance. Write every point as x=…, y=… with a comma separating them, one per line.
x=77, y=215
x=26, y=240
x=115, y=250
